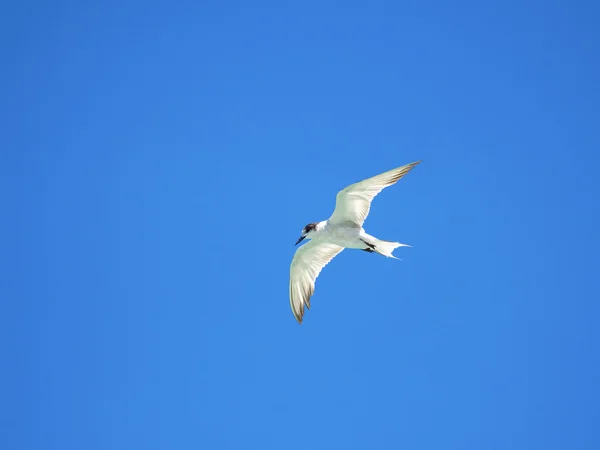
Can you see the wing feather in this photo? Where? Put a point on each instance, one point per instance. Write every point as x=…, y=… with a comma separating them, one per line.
x=353, y=203
x=306, y=266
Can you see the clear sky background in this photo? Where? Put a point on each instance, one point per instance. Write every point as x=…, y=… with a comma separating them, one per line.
x=159, y=160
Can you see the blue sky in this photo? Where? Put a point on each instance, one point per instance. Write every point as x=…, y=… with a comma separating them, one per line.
x=159, y=160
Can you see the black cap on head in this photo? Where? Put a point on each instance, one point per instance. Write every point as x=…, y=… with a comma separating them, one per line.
x=307, y=229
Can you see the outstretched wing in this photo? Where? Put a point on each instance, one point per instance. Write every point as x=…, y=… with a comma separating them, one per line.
x=308, y=262
x=353, y=203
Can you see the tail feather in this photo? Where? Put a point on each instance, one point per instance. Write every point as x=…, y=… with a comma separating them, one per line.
x=385, y=248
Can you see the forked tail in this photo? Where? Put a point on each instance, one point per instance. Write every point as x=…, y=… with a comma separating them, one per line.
x=386, y=248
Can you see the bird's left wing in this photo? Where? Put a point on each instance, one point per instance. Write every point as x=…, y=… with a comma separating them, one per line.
x=308, y=262
x=353, y=203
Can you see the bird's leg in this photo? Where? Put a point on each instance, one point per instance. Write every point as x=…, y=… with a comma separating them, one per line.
x=369, y=248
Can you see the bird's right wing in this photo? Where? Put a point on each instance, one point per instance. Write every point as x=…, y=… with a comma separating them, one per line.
x=308, y=262
x=353, y=203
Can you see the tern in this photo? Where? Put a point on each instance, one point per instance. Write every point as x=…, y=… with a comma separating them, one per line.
x=344, y=229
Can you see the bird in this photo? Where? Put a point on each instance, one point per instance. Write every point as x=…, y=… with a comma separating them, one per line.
x=343, y=229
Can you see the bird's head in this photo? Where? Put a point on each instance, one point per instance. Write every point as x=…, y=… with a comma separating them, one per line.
x=306, y=232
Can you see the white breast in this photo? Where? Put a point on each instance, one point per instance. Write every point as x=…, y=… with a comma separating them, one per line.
x=342, y=235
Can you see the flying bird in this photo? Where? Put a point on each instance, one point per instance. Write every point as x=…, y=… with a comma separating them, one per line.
x=344, y=229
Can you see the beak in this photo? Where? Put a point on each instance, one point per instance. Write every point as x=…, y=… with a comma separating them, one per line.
x=300, y=240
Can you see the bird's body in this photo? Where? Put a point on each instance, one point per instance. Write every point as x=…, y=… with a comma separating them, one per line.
x=345, y=235
x=342, y=230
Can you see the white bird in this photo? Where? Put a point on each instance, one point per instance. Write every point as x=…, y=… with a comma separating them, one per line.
x=344, y=229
